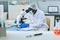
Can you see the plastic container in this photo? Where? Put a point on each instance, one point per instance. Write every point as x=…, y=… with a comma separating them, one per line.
x=56, y=30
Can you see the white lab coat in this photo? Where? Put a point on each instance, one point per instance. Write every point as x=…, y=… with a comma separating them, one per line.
x=37, y=20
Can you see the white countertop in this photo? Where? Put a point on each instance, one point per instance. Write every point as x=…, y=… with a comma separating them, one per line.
x=23, y=35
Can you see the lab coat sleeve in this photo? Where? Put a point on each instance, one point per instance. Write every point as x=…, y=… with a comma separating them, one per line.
x=40, y=19
x=29, y=18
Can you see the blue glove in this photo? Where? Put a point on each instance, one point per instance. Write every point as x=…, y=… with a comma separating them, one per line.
x=24, y=25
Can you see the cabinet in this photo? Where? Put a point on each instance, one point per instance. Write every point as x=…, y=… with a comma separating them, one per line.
x=56, y=18
x=51, y=22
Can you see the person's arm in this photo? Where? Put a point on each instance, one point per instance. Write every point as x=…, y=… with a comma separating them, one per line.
x=39, y=20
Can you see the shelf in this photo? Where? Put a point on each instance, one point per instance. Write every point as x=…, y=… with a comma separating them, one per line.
x=52, y=14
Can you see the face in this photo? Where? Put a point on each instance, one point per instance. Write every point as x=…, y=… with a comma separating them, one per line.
x=31, y=9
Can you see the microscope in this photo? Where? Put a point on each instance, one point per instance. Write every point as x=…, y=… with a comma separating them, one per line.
x=22, y=22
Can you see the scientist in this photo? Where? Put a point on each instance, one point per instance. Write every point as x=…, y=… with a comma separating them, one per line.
x=36, y=18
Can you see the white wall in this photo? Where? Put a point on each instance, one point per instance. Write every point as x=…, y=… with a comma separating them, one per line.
x=44, y=5
x=15, y=10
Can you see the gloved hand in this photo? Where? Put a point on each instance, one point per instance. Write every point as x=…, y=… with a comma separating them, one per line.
x=23, y=25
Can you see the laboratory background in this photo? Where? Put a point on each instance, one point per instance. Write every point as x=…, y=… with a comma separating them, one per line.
x=10, y=10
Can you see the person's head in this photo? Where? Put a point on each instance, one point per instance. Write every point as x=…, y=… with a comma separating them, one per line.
x=32, y=8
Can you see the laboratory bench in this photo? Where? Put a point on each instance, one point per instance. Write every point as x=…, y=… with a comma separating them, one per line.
x=30, y=35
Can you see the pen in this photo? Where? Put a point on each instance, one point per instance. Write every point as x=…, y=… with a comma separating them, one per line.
x=38, y=34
